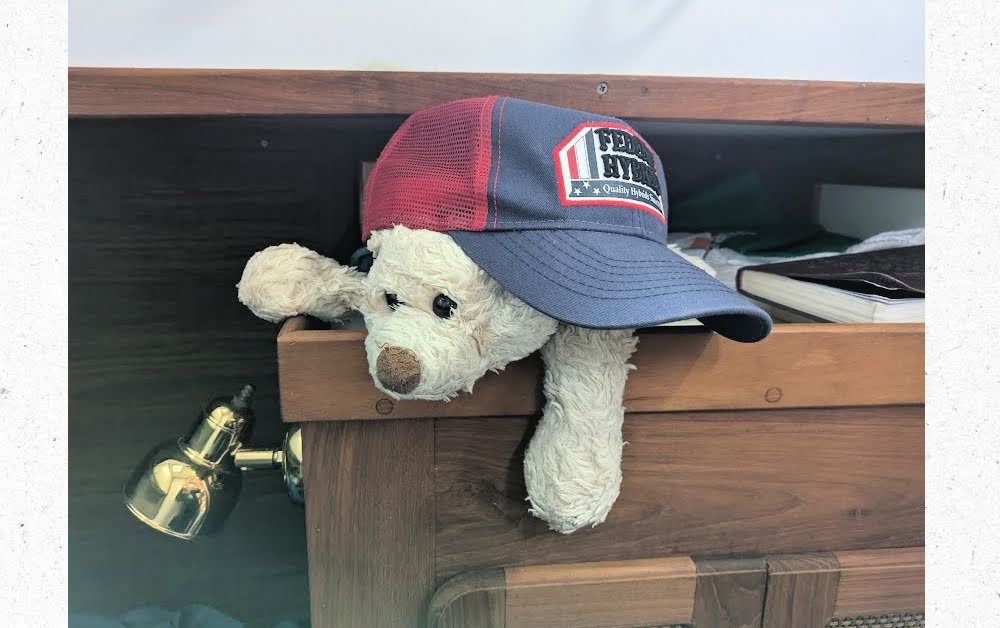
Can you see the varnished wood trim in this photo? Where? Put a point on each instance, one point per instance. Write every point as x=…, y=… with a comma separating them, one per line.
x=324, y=374
x=475, y=599
x=880, y=581
x=161, y=92
x=729, y=592
x=369, y=522
x=643, y=592
x=801, y=590
x=715, y=593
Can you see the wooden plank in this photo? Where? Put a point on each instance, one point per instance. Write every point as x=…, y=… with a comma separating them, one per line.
x=645, y=592
x=369, y=522
x=716, y=593
x=874, y=582
x=160, y=92
x=730, y=592
x=471, y=600
x=709, y=483
x=801, y=590
x=324, y=374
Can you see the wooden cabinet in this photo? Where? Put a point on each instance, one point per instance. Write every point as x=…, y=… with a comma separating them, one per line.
x=418, y=497
x=763, y=485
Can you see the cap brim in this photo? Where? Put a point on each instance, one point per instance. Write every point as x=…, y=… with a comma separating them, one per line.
x=610, y=281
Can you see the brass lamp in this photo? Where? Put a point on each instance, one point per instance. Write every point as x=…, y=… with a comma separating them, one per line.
x=187, y=487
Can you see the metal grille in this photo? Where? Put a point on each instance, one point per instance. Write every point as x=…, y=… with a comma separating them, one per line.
x=897, y=620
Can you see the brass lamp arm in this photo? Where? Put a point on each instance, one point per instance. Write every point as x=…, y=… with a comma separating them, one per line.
x=249, y=459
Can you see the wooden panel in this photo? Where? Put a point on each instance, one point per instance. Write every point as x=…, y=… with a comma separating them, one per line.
x=801, y=591
x=324, y=374
x=880, y=581
x=369, y=522
x=627, y=593
x=730, y=592
x=712, y=483
x=126, y=91
x=162, y=216
x=471, y=600
x=712, y=593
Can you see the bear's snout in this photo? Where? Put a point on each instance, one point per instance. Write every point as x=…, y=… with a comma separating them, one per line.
x=398, y=369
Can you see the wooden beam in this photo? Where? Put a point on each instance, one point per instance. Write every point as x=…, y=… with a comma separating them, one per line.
x=171, y=92
x=324, y=374
x=369, y=522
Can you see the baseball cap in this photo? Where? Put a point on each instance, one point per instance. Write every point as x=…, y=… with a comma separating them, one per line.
x=565, y=209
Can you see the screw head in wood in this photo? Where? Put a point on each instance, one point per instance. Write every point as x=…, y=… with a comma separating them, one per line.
x=772, y=395
x=383, y=406
x=602, y=88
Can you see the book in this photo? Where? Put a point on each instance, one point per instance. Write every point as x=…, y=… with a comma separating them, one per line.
x=885, y=286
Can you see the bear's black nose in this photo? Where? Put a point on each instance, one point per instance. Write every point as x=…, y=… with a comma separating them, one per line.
x=398, y=369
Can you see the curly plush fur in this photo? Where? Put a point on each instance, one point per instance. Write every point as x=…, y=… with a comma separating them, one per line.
x=573, y=463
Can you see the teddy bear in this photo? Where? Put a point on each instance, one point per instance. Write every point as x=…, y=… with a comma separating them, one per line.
x=499, y=227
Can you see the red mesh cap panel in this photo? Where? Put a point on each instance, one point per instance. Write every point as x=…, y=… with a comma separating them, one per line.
x=433, y=172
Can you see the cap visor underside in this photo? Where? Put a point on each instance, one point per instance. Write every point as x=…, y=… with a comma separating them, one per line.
x=610, y=281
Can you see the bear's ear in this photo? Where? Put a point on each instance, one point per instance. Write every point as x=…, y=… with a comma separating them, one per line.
x=287, y=280
x=572, y=468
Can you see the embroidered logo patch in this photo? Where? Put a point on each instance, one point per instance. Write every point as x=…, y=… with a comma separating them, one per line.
x=604, y=163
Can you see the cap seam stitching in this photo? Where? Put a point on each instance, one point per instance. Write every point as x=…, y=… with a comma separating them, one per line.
x=660, y=265
x=702, y=288
x=496, y=179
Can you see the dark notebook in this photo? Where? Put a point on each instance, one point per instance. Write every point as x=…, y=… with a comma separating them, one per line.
x=878, y=286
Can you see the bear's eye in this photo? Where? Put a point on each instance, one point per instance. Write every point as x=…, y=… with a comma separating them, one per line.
x=392, y=300
x=443, y=306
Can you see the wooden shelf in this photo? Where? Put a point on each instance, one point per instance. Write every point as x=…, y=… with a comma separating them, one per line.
x=206, y=92
x=323, y=374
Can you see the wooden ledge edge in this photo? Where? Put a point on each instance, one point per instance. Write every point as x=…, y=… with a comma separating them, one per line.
x=453, y=590
x=113, y=92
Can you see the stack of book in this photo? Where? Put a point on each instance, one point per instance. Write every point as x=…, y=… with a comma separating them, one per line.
x=885, y=286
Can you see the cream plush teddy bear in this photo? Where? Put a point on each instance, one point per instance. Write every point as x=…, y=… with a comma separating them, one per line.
x=500, y=227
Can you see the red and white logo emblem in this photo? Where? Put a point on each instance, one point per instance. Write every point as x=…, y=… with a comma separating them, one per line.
x=604, y=163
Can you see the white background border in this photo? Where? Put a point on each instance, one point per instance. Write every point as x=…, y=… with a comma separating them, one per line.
x=963, y=312
x=963, y=261
x=842, y=40
x=33, y=491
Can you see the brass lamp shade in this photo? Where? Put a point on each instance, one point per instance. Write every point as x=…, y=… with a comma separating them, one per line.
x=187, y=487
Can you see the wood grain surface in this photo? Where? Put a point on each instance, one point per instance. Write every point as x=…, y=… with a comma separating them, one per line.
x=801, y=590
x=324, y=374
x=711, y=483
x=730, y=592
x=644, y=592
x=476, y=599
x=369, y=522
x=128, y=91
x=873, y=582
x=711, y=593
